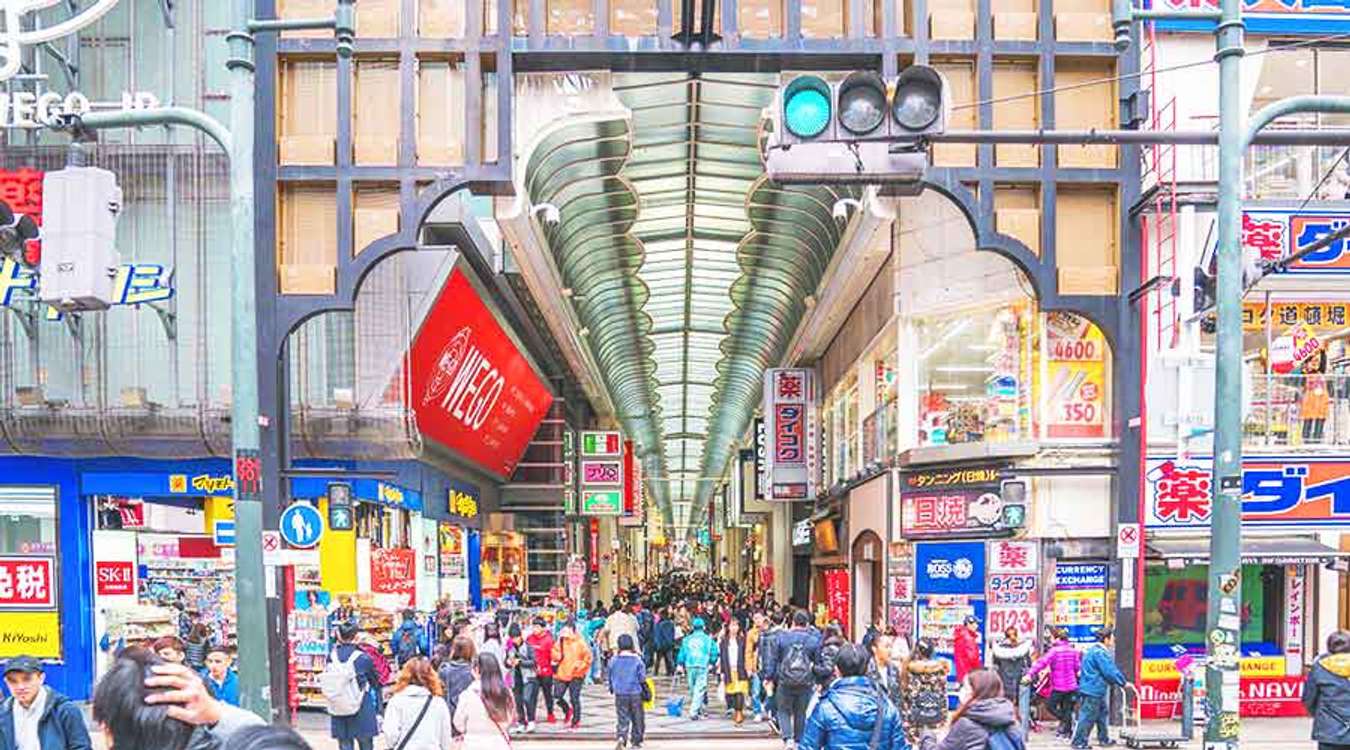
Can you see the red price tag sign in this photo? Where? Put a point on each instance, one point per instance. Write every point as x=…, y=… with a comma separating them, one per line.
x=27, y=582
x=1021, y=618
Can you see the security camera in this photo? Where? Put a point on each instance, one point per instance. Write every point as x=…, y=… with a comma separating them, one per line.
x=547, y=213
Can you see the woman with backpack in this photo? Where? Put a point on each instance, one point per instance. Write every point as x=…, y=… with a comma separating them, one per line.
x=417, y=717
x=923, y=685
x=985, y=718
x=351, y=686
x=457, y=673
x=485, y=709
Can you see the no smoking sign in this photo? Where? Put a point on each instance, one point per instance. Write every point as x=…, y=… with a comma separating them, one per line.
x=1128, y=541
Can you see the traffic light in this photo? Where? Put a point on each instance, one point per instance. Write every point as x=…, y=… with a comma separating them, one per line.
x=79, y=232
x=858, y=129
x=17, y=232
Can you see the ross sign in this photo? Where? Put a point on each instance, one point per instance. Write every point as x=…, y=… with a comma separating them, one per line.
x=1080, y=599
x=36, y=634
x=115, y=578
x=222, y=533
x=27, y=582
x=1129, y=540
x=607, y=443
x=951, y=503
x=1277, y=491
x=1318, y=17
x=464, y=499
x=1006, y=556
x=301, y=525
x=601, y=502
x=1074, y=396
x=1272, y=234
x=949, y=568
x=602, y=472
x=791, y=454
x=394, y=572
x=474, y=392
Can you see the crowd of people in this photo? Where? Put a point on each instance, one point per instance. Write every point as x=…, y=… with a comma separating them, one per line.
x=448, y=682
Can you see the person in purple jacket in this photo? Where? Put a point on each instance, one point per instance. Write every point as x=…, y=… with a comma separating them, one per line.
x=1063, y=660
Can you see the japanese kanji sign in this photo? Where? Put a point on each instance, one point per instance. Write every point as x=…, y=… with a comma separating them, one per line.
x=1272, y=234
x=949, y=503
x=791, y=456
x=1006, y=556
x=1319, y=316
x=1277, y=491
x=27, y=582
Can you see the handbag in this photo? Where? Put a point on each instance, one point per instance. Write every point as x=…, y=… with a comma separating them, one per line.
x=407, y=736
x=647, y=690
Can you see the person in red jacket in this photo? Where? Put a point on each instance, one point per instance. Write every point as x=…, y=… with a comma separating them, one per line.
x=967, y=647
x=541, y=640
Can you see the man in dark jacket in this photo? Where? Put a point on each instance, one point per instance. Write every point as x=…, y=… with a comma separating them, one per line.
x=663, y=640
x=1326, y=694
x=789, y=665
x=36, y=717
x=410, y=640
x=851, y=711
x=884, y=673
x=646, y=628
x=627, y=673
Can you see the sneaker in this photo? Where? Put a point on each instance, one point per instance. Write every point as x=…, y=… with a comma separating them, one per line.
x=620, y=745
x=567, y=716
x=551, y=719
x=529, y=728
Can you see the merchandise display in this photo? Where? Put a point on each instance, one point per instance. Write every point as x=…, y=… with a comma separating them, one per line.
x=204, y=588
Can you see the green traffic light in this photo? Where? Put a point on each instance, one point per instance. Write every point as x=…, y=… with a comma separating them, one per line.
x=806, y=107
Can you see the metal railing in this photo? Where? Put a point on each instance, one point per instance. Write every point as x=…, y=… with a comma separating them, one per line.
x=1298, y=411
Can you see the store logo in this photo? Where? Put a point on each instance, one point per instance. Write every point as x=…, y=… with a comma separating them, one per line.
x=941, y=569
x=210, y=485
x=116, y=578
x=390, y=494
x=13, y=38
x=465, y=383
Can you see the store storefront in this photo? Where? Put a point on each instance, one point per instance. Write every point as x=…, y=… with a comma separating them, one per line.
x=949, y=586
x=867, y=523
x=503, y=566
x=1288, y=500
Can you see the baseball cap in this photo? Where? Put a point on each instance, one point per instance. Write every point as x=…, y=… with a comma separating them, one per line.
x=23, y=664
x=972, y=620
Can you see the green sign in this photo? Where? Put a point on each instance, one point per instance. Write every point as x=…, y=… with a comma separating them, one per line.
x=602, y=503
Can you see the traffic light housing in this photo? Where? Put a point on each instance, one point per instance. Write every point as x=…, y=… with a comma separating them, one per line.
x=859, y=129
x=79, y=232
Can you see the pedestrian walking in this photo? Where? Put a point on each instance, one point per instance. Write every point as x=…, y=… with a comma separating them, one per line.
x=1099, y=672
x=620, y=622
x=36, y=716
x=594, y=631
x=884, y=673
x=734, y=669
x=698, y=654
x=456, y=673
x=492, y=642
x=1326, y=694
x=485, y=709
x=791, y=661
x=627, y=678
x=1063, y=662
x=220, y=675
x=923, y=685
x=646, y=621
x=966, y=644
x=351, y=686
x=409, y=640
x=985, y=718
x=417, y=716
x=851, y=714
x=525, y=678
x=663, y=637
x=758, y=626
x=572, y=663
x=541, y=640
x=1012, y=659
x=829, y=647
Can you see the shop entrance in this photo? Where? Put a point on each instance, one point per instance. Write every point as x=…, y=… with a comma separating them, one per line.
x=868, y=596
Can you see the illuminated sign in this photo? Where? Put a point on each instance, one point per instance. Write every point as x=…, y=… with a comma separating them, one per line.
x=27, y=582
x=602, y=502
x=601, y=444
x=1276, y=491
x=790, y=465
x=602, y=472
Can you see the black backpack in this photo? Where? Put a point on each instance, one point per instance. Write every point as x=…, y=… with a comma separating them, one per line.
x=928, y=709
x=796, y=670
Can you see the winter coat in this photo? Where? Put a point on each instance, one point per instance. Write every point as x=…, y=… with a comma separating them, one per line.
x=455, y=677
x=362, y=723
x=739, y=672
x=432, y=733
x=1098, y=670
x=626, y=674
x=542, y=642
x=60, y=728
x=663, y=635
x=764, y=652
x=890, y=686
x=972, y=730
x=621, y=623
x=225, y=691
x=923, y=677
x=1063, y=661
x=782, y=643
x=1012, y=662
x=846, y=716
x=1326, y=694
x=521, y=660
x=967, y=648
x=699, y=650
x=824, y=665
x=473, y=722
x=571, y=657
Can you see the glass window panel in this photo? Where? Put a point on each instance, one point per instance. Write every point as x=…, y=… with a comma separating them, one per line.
x=28, y=521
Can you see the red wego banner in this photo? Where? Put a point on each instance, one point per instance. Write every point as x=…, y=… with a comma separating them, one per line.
x=472, y=389
x=394, y=571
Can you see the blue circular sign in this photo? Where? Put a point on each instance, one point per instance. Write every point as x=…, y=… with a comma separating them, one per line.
x=301, y=525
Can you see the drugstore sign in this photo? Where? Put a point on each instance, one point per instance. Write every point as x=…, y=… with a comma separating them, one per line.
x=1276, y=492
x=1271, y=234
x=1268, y=16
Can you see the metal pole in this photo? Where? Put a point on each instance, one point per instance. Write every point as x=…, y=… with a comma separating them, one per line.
x=1223, y=616
x=1292, y=137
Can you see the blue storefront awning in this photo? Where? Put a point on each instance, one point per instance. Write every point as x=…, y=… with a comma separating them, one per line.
x=365, y=490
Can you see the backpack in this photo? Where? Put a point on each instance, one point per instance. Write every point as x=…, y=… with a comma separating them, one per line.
x=340, y=686
x=928, y=708
x=796, y=670
x=1002, y=740
x=407, y=646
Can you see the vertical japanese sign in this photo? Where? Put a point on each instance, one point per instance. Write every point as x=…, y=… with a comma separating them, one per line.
x=1013, y=589
x=792, y=453
x=837, y=594
x=29, y=616
x=1074, y=398
x=1277, y=491
x=1295, y=600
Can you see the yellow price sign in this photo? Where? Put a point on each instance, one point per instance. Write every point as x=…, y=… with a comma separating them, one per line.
x=36, y=634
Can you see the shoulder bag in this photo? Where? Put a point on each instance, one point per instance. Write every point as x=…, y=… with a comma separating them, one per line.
x=407, y=736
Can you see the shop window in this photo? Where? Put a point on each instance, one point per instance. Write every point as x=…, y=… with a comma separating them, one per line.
x=974, y=373
x=1297, y=172
x=307, y=9
x=375, y=112
x=307, y=131
x=1021, y=112
x=378, y=19
x=633, y=17
x=960, y=76
x=307, y=233
x=1175, y=605
x=439, y=19
x=1087, y=248
x=951, y=19
x=760, y=19
x=440, y=112
x=28, y=521
x=1083, y=20
x=374, y=214
x=571, y=17
x=1082, y=104
x=1017, y=213
x=1014, y=20
x=1297, y=373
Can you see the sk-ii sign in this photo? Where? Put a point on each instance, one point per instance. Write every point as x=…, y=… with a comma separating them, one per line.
x=1272, y=234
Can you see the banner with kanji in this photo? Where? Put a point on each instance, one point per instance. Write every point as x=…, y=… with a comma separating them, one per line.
x=1277, y=491
x=1274, y=234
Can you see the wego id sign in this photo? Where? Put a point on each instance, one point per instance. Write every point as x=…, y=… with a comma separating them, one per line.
x=472, y=390
x=15, y=13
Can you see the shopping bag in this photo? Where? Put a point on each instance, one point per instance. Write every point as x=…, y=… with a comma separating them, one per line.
x=651, y=690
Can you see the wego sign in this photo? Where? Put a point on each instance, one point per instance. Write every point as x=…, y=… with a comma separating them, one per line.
x=473, y=390
x=13, y=38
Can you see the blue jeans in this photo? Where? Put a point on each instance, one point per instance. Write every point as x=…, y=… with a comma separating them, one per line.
x=597, y=663
x=698, y=689
x=756, y=702
x=365, y=743
x=1091, y=713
